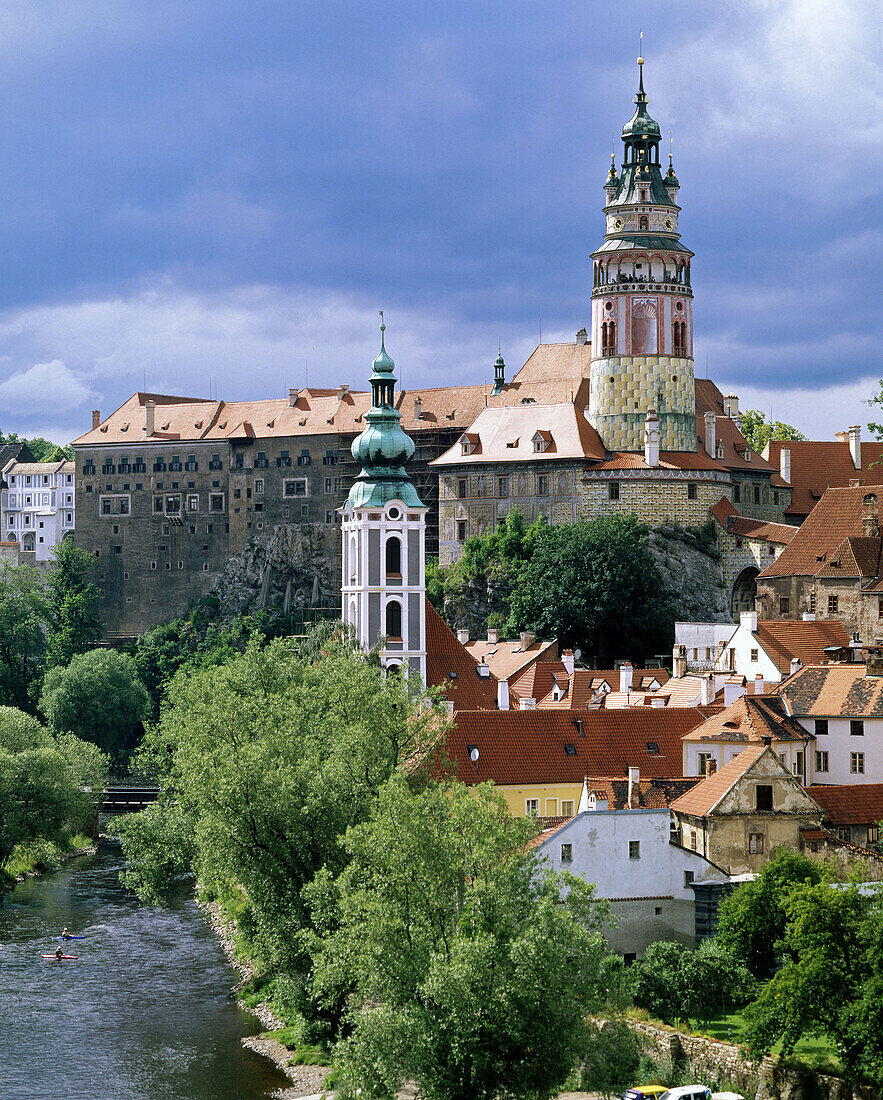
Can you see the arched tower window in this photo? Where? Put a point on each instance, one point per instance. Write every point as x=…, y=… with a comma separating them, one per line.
x=394, y=556
x=611, y=338
x=393, y=619
x=642, y=222
x=354, y=557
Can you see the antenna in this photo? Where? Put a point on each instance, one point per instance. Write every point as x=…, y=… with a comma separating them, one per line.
x=541, y=329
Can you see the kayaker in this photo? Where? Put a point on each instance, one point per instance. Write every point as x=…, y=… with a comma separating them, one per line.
x=65, y=935
x=59, y=953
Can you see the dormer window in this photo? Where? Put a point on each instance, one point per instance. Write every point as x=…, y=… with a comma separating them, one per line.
x=469, y=443
x=542, y=441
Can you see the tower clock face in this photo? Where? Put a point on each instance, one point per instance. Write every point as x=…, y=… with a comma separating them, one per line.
x=669, y=224
x=617, y=223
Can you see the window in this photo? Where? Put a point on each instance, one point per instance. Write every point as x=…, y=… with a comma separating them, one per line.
x=295, y=487
x=702, y=760
x=764, y=797
x=832, y=605
x=812, y=601
x=634, y=849
x=261, y=462
x=542, y=485
x=259, y=486
x=693, y=839
x=502, y=486
x=737, y=492
x=755, y=844
x=284, y=459
x=173, y=505
x=462, y=487
x=394, y=557
x=613, y=490
x=753, y=655
x=821, y=727
x=797, y=766
x=328, y=484
x=158, y=505
x=567, y=853
x=394, y=619
x=757, y=494
x=873, y=834
x=771, y=550
x=304, y=509
x=857, y=728
x=216, y=502
x=191, y=463
x=531, y=807
x=566, y=808
x=843, y=832
x=821, y=761
x=857, y=763
x=691, y=492
x=569, y=749
x=688, y=878
x=215, y=463
x=461, y=530
x=784, y=605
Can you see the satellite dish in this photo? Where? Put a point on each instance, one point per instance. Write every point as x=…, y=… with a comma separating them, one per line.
x=473, y=756
x=577, y=653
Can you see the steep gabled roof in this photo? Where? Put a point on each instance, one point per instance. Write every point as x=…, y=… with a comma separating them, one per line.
x=538, y=680
x=850, y=804
x=832, y=691
x=749, y=720
x=587, y=683
x=838, y=515
x=785, y=639
x=705, y=796
x=652, y=793
x=451, y=668
x=818, y=466
x=530, y=746
x=506, y=434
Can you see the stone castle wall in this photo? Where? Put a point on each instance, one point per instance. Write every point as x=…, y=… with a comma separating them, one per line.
x=623, y=387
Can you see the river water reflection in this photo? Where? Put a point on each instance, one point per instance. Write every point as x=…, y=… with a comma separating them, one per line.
x=144, y=1014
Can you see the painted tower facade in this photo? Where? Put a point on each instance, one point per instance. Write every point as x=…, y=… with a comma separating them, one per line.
x=384, y=534
x=642, y=318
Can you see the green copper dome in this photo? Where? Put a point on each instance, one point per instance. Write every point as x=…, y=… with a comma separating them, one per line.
x=383, y=448
x=641, y=124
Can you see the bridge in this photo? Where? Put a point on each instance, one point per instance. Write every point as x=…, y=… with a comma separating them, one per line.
x=124, y=799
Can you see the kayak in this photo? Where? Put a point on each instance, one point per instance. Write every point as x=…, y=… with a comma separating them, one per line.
x=65, y=938
x=58, y=958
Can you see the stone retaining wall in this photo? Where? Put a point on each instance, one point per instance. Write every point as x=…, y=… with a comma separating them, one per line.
x=715, y=1063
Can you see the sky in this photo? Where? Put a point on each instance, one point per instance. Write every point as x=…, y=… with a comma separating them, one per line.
x=214, y=198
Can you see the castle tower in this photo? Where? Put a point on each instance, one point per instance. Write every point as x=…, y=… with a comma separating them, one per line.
x=384, y=534
x=642, y=318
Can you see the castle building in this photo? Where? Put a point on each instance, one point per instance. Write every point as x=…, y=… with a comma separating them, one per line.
x=384, y=534
x=38, y=506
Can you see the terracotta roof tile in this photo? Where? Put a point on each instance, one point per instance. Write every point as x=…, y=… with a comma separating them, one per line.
x=528, y=746
x=445, y=655
x=746, y=527
x=538, y=680
x=785, y=639
x=506, y=659
x=652, y=793
x=668, y=460
x=507, y=435
x=550, y=362
x=587, y=684
x=831, y=691
x=723, y=510
x=748, y=720
x=703, y=798
x=850, y=804
x=818, y=466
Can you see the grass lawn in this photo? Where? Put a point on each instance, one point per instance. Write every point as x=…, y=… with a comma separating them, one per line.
x=816, y=1054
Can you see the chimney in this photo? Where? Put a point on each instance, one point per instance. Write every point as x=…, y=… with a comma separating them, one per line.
x=96, y=418
x=418, y=408
x=150, y=411
x=568, y=660
x=582, y=337
x=855, y=445
x=625, y=677
x=292, y=398
x=527, y=639
x=493, y=634
x=766, y=739
x=809, y=616
x=706, y=691
x=796, y=665
x=732, y=692
x=528, y=703
x=483, y=669
x=710, y=427
x=731, y=409
x=634, y=788
x=342, y=391
x=870, y=516
x=462, y=636
x=502, y=694
x=710, y=767
x=785, y=464
x=679, y=661
x=748, y=620
x=759, y=685
x=651, y=438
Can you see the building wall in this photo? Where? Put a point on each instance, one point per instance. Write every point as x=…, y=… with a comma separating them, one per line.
x=722, y=752
x=654, y=496
x=860, y=612
x=650, y=894
x=840, y=744
x=548, y=797
x=624, y=387
x=770, y=503
x=38, y=507
x=738, y=553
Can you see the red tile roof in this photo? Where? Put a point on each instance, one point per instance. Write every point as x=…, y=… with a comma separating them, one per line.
x=445, y=655
x=586, y=683
x=652, y=793
x=507, y=659
x=838, y=515
x=539, y=679
x=710, y=399
x=850, y=804
x=817, y=466
x=528, y=746
x=748, y=720
x=785, y=639
x=832, y=691
x=703, y=798
x=668, y=460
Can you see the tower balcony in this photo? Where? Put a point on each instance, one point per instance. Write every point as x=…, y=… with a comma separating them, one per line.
x=641, y=284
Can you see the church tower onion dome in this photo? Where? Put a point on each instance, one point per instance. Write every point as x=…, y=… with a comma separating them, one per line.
x=383, y=448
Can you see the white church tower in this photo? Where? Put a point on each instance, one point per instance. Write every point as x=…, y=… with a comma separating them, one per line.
x=384, y=534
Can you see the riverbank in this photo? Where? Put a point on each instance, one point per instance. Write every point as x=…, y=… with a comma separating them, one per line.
x=305, y=1080
x=43, y=866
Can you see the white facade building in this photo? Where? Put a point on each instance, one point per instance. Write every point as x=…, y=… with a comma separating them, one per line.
x=37, y=510
x=647, y=879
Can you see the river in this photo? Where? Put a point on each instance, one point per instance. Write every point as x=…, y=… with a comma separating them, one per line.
x=143, y=1014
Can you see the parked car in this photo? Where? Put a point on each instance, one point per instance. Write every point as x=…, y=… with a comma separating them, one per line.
x=645, y=1092
x=687, y=1092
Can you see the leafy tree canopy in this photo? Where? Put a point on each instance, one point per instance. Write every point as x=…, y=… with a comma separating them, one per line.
x=752, y=919
x=758, y=431
x=471, y=977
x=73, y=624
x=43, y=450
x=97, y=697
x=24, y=614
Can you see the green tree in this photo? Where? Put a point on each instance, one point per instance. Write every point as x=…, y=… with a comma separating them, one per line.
x=830, y=983
x=43, y=450
x=611, y=1059
x=265, y=761
x=758, y=431
x=595, y=585
x=656, y=981
x=72, y=604
x=23, y=617
x=471, y=976
x=49, y=787
x=99, y=698
x=672, y=983
x=752, y=918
